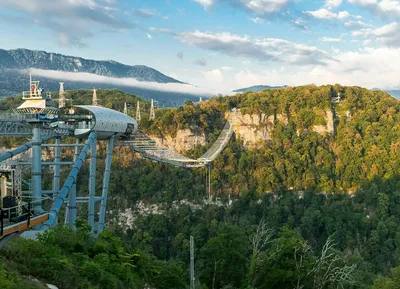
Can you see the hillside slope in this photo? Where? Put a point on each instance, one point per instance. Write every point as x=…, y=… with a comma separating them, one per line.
x=297, y=138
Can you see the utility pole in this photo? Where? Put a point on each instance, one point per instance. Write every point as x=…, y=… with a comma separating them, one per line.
x=192, y=278
x=152, y=111
x=61, y=96
x=94, y=99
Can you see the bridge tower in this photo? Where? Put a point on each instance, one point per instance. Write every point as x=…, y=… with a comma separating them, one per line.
x=61, y=96
x=94, y=98
x=152, y=111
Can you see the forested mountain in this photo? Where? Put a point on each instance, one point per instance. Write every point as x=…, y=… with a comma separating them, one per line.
x=296, y=206
x=14, y=78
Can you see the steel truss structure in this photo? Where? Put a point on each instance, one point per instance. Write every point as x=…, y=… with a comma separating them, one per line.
x=32, y=203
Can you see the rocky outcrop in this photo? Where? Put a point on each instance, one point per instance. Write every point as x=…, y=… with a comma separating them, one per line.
x=329, y=127
x=184, y=140
x=251, y=128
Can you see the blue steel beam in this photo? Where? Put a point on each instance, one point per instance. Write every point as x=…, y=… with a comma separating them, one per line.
x=71, y=209
x=61, y=198
x=106, y=180
x=18, y=150
x=92, y=184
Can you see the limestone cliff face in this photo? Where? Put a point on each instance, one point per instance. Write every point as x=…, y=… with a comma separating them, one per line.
x=251, y=128
x=258, y=127
x=329, y=127
x=184, y=140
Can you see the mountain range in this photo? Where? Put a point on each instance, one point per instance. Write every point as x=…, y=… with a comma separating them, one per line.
x=14, y=66
x=258, y=88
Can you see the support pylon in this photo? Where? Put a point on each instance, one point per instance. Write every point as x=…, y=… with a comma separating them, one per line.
x=138, y=117
x=152, y=111
x=61, y=96
x=94, y=98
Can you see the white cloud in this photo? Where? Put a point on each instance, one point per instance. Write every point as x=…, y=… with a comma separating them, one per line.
x=330, y=4
x=329, y=15
x=257, y=20
x=258, y=7
x=388, y=35
x=369, y=67
x=330, y=39
x=262, y=7
x=363, y=2
x=70, y=20
x=246, y=78
x=131, y=82
x=300, y=24
x=266, y=49
x=145, y=13
x=355, y=24
x=226, y=68
x=206, y=3
x=214, y=76
x=386, y=8
x=149, y=36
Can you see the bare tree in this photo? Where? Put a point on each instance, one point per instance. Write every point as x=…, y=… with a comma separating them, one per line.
x=259, y=241
x=328, y=269
x=215, y=273
x=301, y=253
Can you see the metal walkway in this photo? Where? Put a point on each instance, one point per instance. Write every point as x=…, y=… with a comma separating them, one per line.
x=150, y=149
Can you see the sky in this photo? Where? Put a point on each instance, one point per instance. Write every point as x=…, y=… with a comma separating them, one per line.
x=220, y=45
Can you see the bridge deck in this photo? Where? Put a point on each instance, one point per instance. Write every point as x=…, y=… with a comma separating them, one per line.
x=150, y=149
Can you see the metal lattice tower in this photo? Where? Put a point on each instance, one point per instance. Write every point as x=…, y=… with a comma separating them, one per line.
x=61, y=96
x=138, y=117
x=94, y=98
x=39, y=119
x=152, y=111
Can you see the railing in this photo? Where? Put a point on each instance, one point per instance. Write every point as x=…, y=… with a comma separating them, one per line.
x=17, y=214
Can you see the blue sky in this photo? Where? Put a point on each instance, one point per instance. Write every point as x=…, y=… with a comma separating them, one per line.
x=220, y=45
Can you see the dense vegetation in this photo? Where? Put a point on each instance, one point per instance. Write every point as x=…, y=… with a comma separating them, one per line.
x=302, y=210
x=365, y=142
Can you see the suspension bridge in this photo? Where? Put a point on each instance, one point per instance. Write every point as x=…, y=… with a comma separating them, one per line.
x=52, y=127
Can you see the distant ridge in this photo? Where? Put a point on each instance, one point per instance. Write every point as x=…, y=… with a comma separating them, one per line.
x=14, y=63
x=258, y=88
x=24, y=59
